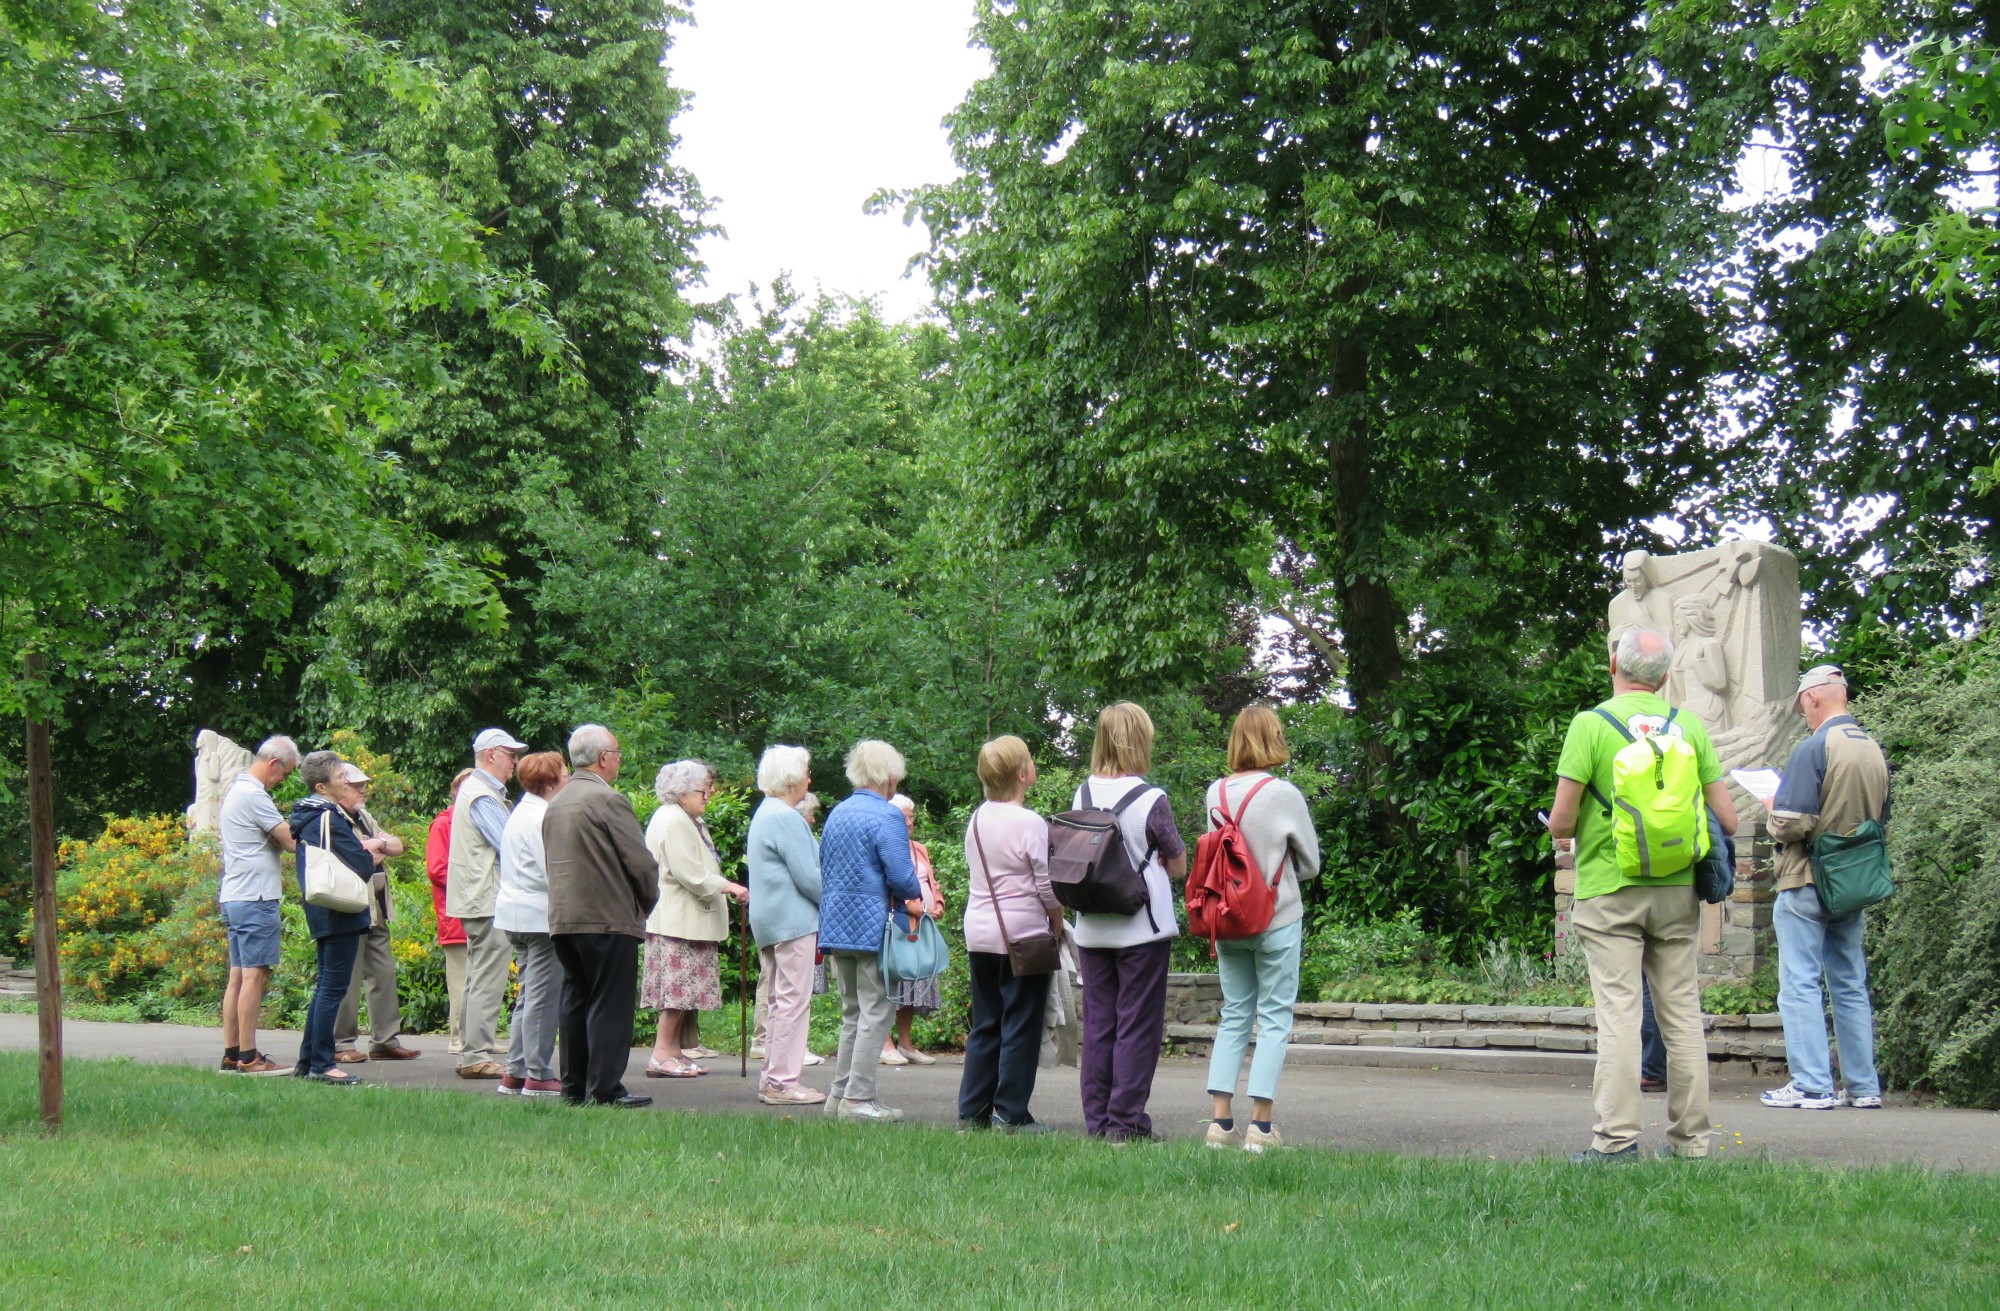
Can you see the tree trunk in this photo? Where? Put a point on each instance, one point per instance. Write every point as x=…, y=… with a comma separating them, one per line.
x=1370, y=620
x=42, y=853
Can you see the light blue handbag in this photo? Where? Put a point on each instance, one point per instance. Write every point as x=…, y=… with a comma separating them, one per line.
x=918, y=953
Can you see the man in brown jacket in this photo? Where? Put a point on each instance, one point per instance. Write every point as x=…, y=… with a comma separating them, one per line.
x=1835, y=779
x=602, y=885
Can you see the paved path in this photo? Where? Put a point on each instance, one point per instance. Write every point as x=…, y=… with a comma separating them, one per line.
x=1500, y=1116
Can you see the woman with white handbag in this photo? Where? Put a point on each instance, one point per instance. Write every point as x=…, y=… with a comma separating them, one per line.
x=334, y=865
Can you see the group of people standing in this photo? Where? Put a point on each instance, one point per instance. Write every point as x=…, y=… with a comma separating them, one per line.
x=603, y=917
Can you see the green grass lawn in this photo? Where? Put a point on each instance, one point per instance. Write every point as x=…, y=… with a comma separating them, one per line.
x=181, y=1188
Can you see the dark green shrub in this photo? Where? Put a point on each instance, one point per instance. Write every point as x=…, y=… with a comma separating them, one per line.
x=1935, y=945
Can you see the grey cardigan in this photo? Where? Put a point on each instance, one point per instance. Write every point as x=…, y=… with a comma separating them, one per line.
x=784, y=874
x=1278, y=825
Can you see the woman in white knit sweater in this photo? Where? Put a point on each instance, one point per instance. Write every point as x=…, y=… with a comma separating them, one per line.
x=1260, y=975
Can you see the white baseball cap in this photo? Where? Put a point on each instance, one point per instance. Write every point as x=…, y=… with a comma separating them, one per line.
x=1818, y=676
x=496, y=737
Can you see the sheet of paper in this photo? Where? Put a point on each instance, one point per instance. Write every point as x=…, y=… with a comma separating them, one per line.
x=1759, y=783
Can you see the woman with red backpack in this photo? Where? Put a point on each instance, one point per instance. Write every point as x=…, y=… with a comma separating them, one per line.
x=1259, y=831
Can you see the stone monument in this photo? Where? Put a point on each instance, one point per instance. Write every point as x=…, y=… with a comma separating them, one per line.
x=216, y=761
x=1733, y=614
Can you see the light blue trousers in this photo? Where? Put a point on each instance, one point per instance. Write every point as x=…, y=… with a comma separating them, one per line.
x=1260, y=978
x=1812, y=947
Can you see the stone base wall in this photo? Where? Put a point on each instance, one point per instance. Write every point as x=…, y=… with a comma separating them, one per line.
x=1735, y=937
x=1194, y=1003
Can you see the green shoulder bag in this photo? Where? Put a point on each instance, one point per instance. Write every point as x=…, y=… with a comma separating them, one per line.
x=1851, y=871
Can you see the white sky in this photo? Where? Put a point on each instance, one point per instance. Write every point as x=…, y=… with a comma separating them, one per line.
x=801, y=110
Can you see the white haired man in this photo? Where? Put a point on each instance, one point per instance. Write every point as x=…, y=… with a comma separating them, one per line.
x=1642, y=925
x=472, y=886
x=254, y=837
x=376, y=962
x=1835, y=779
x=603, y=883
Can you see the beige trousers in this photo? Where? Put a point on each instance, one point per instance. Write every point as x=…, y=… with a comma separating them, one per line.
x=1624, y=933
x=759, y=1017
x=489, y=958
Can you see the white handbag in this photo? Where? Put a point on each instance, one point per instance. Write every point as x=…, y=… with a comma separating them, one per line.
x=330, y=885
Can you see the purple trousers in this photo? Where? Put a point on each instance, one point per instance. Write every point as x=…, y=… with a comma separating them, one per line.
x=1124, y=1020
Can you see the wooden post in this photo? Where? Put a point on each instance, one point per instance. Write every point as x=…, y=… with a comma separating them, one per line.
x=42, y=847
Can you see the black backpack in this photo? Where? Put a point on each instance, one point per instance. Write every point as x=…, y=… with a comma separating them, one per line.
x=1090, y=865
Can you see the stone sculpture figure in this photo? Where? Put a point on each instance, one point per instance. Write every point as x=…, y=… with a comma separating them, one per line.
x=216, y=761
x=1699, y=682
x=1733, y=612
x=1642, y=604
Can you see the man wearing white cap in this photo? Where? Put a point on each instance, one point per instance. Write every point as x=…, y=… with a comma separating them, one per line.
x=1835, y=779
x=478, y=821
x=375, y=963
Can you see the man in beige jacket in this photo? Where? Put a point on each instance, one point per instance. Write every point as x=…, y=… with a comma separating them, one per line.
x=479, y=818
x=1835, y=779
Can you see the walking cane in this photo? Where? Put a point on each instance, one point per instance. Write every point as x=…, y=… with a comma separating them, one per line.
x=743, y=995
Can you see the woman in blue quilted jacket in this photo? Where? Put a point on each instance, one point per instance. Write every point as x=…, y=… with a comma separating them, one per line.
x=865, y=868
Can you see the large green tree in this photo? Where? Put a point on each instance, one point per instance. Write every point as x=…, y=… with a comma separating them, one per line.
x=209, y=296
x=1396, y=297
x=554, y=129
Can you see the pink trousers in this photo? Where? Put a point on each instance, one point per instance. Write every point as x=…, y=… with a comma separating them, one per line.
x=789, y=967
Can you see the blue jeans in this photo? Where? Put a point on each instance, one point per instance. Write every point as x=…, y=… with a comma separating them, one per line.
x=1260, y=977
x=1811, y=945
x=336, y=969
x=1652, y=1047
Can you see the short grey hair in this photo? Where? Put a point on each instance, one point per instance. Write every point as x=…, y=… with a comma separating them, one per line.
x=902, y=802
x=589, y=742
x=321, y=767
x=873, y=763
x=680, y=778
x=1645, y=656
x=781, y=769
x=807, y=804
x=279, y=748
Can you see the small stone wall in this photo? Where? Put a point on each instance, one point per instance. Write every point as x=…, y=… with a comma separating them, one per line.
x=1194, y=1004
x=1735, y=937
x=15, y=984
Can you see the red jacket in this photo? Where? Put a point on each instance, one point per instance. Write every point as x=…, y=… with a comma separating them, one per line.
x=437, y=863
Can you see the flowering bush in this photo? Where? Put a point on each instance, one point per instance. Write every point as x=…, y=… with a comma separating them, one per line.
x=135, y=913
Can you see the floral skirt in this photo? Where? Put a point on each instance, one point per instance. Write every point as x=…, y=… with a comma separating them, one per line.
x=920, y=995
x=680, y=975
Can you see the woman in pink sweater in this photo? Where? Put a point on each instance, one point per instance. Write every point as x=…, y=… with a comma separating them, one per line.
x=1008, y=898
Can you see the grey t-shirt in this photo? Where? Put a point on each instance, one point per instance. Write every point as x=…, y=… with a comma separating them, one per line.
x=252, y=869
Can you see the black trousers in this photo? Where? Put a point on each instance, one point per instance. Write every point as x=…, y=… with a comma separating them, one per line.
x=1004, y=1046
x=600, y=999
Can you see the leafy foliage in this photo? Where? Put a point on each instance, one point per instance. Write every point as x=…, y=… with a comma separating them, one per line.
x=1340, y=287
x=1935, y=945
x=205, y=301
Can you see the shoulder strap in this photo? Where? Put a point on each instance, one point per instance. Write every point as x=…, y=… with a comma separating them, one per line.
x=1222, y=795
x=999, y=916
x=1130, y=796
x=1618, y=724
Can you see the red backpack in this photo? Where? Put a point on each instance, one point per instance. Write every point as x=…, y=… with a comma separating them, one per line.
x=1227, y=896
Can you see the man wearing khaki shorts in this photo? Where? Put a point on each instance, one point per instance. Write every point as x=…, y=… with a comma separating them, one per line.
x=1640, y=927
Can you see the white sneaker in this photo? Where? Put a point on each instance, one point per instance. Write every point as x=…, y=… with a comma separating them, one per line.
x=890, y=1056
x=1256, y=1141
x=1793, y=1098
x=796, y=1095
x=1858, y=1103
x=915, y=1057
x=868, y=1110
x=1221, y=1138
x=756, y=1053
x=813, y=1058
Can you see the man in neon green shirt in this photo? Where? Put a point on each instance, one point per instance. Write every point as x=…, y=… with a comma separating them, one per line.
x=1632, y=926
